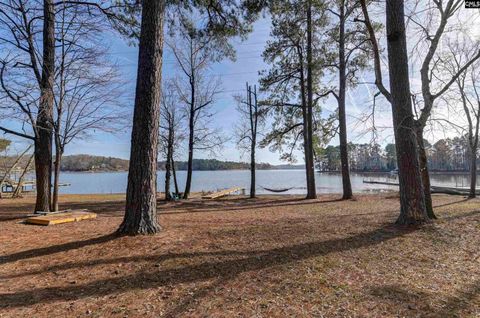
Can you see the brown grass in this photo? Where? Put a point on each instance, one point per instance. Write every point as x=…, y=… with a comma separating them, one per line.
x=269, y=257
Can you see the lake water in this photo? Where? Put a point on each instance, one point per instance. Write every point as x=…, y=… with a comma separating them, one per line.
x=116, y=182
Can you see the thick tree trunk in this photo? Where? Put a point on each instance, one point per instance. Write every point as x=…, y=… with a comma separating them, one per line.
x=342, y=118
x=43, y=140
x=311, y=189
x=423, y=161
x=412, y=200
x=141, y=205
x=473, y=173
x=188, y=183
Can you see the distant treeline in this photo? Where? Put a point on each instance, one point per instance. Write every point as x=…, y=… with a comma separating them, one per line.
x=450, y=154
x=99, y=163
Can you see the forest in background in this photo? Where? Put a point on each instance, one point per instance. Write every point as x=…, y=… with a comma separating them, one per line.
x=89, y=163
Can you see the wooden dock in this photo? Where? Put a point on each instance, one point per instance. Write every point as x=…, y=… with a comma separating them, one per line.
x=59, y=218
x=219, y=194
x=433, y=189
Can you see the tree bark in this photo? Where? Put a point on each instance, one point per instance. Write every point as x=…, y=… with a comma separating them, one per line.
x=56, y=176
x=303, y=92
x=174, y=173
x=423, y=161
x=168, y=163
x=347, y=185
x=188, y=183
x=141, y=206
x=253, y=108
x=412, y=200
x=473, y=173
x=311, y=189
x=43, y=140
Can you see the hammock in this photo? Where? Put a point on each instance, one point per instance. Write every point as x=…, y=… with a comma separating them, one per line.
x=277, y=190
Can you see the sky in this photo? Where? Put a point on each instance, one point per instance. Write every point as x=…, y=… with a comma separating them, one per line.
x=233, y=76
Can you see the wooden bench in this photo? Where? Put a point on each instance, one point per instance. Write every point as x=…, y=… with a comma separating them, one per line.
x=219, y=194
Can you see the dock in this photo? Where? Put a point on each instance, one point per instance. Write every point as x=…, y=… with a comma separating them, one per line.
x=219, y=194
x=433, y=189
x=59, y=218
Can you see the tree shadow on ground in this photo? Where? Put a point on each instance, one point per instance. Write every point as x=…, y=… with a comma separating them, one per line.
x=49, y=250
x=116, y=207
x=237, y=205
x=225, y=269
x=419, y=302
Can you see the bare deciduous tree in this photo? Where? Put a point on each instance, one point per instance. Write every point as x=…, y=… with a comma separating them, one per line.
x=412, y=199
x=194, y=52
x=27, y=72
x=252, y=118
x=87, y=91
x=467, y=86
x=431, y=23
x=171, y=133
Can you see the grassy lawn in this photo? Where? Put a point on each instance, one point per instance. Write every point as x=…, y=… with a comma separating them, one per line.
x=275, y=256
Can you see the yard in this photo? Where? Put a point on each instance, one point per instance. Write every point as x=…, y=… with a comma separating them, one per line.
x=274, y=256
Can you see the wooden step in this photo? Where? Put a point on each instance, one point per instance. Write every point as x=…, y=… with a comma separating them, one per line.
x=59, y=218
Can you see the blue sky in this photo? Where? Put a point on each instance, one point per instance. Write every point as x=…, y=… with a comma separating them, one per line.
x=233, y=75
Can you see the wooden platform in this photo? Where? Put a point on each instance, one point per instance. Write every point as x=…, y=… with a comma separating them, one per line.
x=222, y=193
x=59, y=218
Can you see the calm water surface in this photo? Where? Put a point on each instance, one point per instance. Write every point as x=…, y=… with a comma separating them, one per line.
x=116, y=182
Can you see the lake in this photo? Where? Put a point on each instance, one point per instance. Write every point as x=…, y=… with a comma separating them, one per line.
x=116, y=182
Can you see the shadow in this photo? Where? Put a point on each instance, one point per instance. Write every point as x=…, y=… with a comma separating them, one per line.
x=16, y=211
x=122, y=260
x=461, y=301
x=239, y=205
x=450, y=203
x=55, y=249
x=400, y=296
x=226, y=269
x=406, y=299
x=460, y=216
x=116, y=207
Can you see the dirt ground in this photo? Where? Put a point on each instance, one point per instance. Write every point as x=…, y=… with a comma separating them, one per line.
x=276, y=256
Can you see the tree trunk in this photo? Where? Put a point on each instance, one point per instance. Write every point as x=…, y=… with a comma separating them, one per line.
x=423, y=160
x=311, y=189
x=188, y=183
x=168, y=163
x=304, y=119
x=253, y=113
x=141, y=206
x=252, y=171
x=412, y=200
x=174, y=173
x=56, y=176
x=473, y=173
x=43, y=140
x=342, y=120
